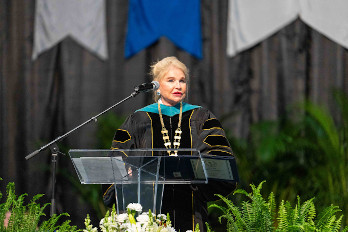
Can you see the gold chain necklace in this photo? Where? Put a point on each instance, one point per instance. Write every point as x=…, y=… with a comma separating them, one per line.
x=165, y=135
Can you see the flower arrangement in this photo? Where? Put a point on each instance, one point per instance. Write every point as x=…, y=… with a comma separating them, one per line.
x=133, y=220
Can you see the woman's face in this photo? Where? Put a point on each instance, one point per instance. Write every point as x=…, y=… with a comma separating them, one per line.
x=173, y=86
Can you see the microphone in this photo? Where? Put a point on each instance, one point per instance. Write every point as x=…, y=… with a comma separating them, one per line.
x=145, y=87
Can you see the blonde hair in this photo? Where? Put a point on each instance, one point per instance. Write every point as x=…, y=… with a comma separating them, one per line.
x=160, y=68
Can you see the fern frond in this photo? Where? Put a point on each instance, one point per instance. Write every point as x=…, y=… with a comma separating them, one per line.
x=256, y=191
x=65, y=226
x=336, y=226
x=223, y=209
x=271, y=204
x=51, y=223
x=241, y=191
x=345, y=229
x=325, y=216
x=239, y=219
x=282, y=217
x=311, y=213
x=249, y=215
x=228, y=202
x=34, y=211
x=305, y=211
x=208, y=227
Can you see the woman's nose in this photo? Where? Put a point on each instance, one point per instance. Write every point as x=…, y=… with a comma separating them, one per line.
x=178, y=85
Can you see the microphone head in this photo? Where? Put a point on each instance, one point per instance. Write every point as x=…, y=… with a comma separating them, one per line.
x=156, y=85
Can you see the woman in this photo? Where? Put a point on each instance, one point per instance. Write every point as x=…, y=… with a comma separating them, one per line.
x=172, y=123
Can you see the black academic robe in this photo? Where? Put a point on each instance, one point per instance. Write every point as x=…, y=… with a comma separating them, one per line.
x=186, y=204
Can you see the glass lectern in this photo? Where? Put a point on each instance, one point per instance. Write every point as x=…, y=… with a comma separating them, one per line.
x=139, y=175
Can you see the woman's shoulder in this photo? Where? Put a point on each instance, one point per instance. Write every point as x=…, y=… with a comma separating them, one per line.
x=203, y=114
x=138, y=117
x=202, y=110
x=152, y=108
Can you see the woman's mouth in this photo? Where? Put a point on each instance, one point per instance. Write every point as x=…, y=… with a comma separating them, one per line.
x=177, y=93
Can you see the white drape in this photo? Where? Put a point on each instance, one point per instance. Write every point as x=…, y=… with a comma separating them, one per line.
x=329, y=17
x=251, y=21
x=83, y=20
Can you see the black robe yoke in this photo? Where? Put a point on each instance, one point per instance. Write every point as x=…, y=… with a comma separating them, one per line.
x=186, y=204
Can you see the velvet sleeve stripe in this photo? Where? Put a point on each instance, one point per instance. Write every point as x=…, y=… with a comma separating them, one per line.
x=216, y=140
x=107, y=190
x=121, y=136
x=109, y=195
x=212, y=123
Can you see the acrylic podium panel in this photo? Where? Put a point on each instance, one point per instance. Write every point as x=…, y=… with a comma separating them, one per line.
x=139, y=175
x=127, y=166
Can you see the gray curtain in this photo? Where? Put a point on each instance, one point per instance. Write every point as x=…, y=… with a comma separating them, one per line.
x=42, y=99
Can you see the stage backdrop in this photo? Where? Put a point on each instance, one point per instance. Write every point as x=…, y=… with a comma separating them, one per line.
x=67, y=84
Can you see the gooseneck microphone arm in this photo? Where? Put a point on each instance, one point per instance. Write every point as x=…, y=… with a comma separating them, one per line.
x=141, y=88
x=94, y=118
x=53, y=144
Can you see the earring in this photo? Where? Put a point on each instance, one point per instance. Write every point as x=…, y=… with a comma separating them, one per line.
x=158, y=93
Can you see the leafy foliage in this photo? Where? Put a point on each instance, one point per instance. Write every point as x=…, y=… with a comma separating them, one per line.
x=27, y=217
x=303, y=155
x=259, y=214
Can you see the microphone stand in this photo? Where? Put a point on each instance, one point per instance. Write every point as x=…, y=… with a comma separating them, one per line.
x=55, y=150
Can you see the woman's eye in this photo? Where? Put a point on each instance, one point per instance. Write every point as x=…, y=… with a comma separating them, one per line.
x=183, y=81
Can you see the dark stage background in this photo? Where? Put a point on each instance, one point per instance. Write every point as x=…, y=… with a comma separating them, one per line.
x=65, y=86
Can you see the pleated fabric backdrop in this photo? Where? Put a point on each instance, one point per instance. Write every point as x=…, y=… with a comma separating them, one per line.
x=65, y=86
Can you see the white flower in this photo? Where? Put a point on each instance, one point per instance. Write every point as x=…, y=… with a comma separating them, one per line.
x=125, y=226
x=122, y=217
x=143, y=218
x=188, y=230
x=135, y=206
x=167, y=229
x=102, y=221
x=126, y=223
x=132, y=228
x=162, y=217
x=91, y=230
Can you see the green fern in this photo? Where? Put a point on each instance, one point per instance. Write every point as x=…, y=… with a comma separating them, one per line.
x=25, y=218
x=283, y=218
x=251, y=216
x=208, y=227
x=52, y=225
x=257, y=214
